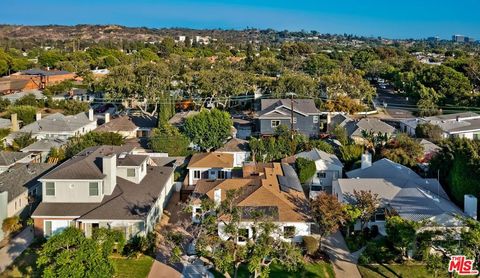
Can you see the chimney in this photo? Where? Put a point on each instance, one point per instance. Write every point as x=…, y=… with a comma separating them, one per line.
x=217, y=196
x=90, y=114
x=38, y=116
x=107, y=117
x=366, y=160
x=14, y=120
x=329, y=118
x=470, y=206
x=109, y=166
x=458, y=118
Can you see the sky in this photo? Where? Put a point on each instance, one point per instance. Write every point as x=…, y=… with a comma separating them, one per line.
x=386, y=18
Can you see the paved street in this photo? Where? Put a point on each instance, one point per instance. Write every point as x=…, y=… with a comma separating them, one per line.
x=344, y=263
x=16, y=246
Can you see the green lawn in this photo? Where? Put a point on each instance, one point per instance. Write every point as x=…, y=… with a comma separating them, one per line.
x=391, y=270
x=132, y=268
x=311, y=270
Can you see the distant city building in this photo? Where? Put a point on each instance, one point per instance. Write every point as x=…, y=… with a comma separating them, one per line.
x=462, y=38
x=433, y=39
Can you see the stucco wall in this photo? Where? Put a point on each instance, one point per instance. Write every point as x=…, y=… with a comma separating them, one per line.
x=74, y=191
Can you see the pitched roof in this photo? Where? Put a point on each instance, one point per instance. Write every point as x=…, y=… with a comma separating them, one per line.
x=275, y=191
x=305, y=106
x=131, y=160
x=355, y=128
x=122, y=123
x=235, y=145
x=384, y=168
x=128, y=201
x=316, y=154
x=429, y=147
x=451, y=123
x=9, y=158
x=44, y=72
x=211, y=160
x=21, y=177
x=86, y=165
x=44, y=145
x=58, y=123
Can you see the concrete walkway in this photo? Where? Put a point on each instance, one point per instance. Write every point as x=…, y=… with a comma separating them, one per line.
x=161, y=270
x=15, y=247
x=344, y=263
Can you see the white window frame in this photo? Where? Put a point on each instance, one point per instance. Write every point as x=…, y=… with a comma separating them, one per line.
x=46, y=188
x=89, y=189
x=315, y=119
x=134, y=172
x=195, y=176
x=275, y=121
x=294, y=120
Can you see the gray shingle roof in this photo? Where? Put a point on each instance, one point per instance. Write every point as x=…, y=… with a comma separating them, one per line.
x=58, y=123
x=44, y=145
x=451, y=123
x=355, y=128
x=131, y=160
x=85, y=165
x=384, y=168
x=316, y=154
x=44, y=72
x=21, y=177
x=123, y=123
x=306, y=106
x=129, y=201
x=235, y=145
x=9, y=158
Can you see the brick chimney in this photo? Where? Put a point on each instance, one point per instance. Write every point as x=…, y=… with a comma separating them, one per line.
x=14, y=120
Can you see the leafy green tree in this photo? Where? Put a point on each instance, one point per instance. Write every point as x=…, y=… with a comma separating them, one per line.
x=427, y=103
x=4, y=103
x=73, y=107
x=401, y=233
x=58, y=88
x=91, y=139
x=209, y=128
x=28, y=99
x=352, y=85
x=349, y=154
x=340, y=134
x=50, y=58
x=429, y=131
x=320, y=145
x=306, y=169
x=435, y=264
x=403, y=150
x=367, y=203
x=22, y=141
x=471, y=240
x=292, y=82
x=25, y=113
x=319, y=64
x=71, y=254
x=11, y=225
x=362, y=58
x=168, y=139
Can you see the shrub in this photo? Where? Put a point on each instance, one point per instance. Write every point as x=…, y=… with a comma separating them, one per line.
x=311, y=244
x=379, y=251
x=26, y=113
x=11, y=224
x=373, y=231
x=306, y=169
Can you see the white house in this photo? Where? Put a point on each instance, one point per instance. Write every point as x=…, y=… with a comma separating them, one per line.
x=463, y=125
x=210, y=166
x=238, y=148
x=329, y=168
x=57, y=126
x=104, y=186
x=271, y=190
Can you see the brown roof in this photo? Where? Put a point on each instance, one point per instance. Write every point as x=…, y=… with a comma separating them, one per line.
x=129, y=201
x=235, y=145
x=131, y=160
x=263, y=193
x=123, y=123
x=211, y=160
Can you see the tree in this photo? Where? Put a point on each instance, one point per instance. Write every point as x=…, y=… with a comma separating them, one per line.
x=306, y=169
x=4, y=103
x=319, y=64
x=91, y=139
x=28, y=99
x=209, y=128
x=367, y=202
x=435, y=263
x=429, y=131
x=349, y=154
x=50, y=58
x=301, y=84
x=401, y=233
x=352, y=85
x=320, y=145
x=11, y=224
x=71, y=254
x=25, y=113
x=328, y=213
x=403, y=150
x=340, y=134
x=73, y=107
x=22, y=141
x=471, y=240
x=427, y=103
x=168, y=139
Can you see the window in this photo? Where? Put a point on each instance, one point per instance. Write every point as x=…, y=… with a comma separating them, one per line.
x=130, y=172
x=47, y=228
x=50, y=188
x=321, y=175
x=93, y=188
x=294, y=120
x=316, y=188
x=196, y=174
x=143, y=167
x=221, y=174
x=275, y=123
x=288, y=231
x=315, y=119
x=242, y=235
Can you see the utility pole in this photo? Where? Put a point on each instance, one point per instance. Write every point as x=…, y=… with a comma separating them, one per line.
x=291, y=122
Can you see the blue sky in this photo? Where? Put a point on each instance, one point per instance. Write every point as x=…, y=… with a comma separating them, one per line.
x=394, y=19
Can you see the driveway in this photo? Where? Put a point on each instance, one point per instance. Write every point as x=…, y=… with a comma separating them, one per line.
x=344, y=263
x=15, y=247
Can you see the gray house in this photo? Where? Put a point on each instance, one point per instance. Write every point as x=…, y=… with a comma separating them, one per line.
x=275, y=112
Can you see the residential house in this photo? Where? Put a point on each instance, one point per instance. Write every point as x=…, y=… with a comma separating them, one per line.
x=10, y=85
x=209, y=166
x=179, y=118
x=402, y=192
x=41, y=148
x=57, y=126
x=239, y=148
x=8, y=159
x=19, y=187
x=122, y=125
x=271, y=190
x=329, y=168
x=43, y=78
x=356, y=128
x=104, y=186
x=275, y=112
x=463, y=125
x=145, y=124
